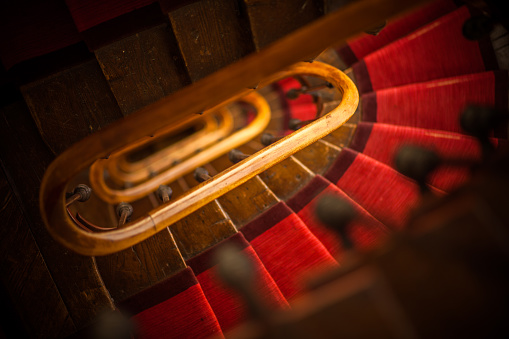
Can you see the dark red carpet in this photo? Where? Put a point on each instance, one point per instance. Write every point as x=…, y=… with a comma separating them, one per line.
x=358, y=48
x=365, y=232
x=287, y=248
x=437, y=50
x=228, y=307
x=381, y=190
x=369, y=136
x=173, y=308
x=436, y=104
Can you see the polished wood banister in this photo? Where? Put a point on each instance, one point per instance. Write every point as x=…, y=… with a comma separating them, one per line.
x=181, y=107
x=167, y=214
x=114, y=196
x=121, y=171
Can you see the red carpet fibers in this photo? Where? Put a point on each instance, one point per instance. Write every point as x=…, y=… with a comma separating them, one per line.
x=358, y=48
x=173, y=308
x=227, y=305
x=437, y=50
x=368, y=138
x=436, y=104
x=383, y=192
x=287, y=248
x=365, y=232
x=303, y=107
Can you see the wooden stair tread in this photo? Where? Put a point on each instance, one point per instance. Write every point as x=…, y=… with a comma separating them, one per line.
x=318, y=156
x=211, y=34
x=202, y=229
x=143, y=68
x=271, y=20
x=286, y=178
x=71, y=104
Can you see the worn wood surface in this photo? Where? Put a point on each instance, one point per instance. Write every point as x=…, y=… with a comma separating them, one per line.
x=143, y=68
x=25, y=158
x=211, y=34
x=286, y=178
x=130, y=271
x=202, y=229
x=318, y=156
x=271, y=20
x=342, y=136
x=71, y=104
x=24, y=274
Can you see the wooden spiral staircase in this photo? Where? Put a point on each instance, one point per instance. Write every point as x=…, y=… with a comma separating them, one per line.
x=129, y=62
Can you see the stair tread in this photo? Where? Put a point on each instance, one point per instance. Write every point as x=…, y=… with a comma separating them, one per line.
x=381, y=190
x=287, y=248
x=227, y=305
x=369, y=137
x=365, y=232
x=216, y=29
x=388, y=67
x=175, y=307
x=441, y=101
x=267, y=23
x=133, y=67
x=358, y=47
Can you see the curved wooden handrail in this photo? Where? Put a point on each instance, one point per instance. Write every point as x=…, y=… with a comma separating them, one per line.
x=115, y=196
x=175, y=153
x=211, y=124
x=53, y=189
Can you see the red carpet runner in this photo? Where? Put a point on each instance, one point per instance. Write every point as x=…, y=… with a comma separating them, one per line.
x=287, y=248
x=435, y=104
x=173, y=308
x=365, y=231
x=227, y=305
x=368, y=138
x=383, y=192
x=358, y=48
x=437, y=50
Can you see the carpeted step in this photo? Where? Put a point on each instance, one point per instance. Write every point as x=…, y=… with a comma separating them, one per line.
x=435, y=104
x=437, y=50
x=287, y=248
x=381, y=190
x=365, y=232
x=228, y=307
x=357, y=48
x=369, y=136
x=303, y=107
x=173, y=308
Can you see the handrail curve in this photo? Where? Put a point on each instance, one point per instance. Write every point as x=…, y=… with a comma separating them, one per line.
x=115, y=196
x=55, y=180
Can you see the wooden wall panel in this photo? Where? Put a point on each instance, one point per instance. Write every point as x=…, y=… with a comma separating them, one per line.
x=211, y=34
x=71, y=104
x=143, y=68
x=271, y=20
x=25, y=158
x=25, y=275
